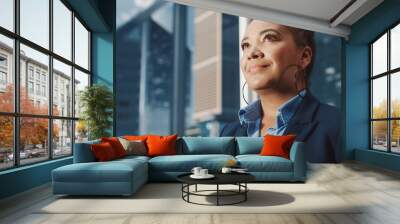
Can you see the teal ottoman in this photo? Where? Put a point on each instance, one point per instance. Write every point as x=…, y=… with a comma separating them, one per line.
x=118, y=177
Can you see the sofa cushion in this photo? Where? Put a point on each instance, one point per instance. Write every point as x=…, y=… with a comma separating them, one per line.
x=249, y=145
x=103, y=152
x=275, y=145
x=132, y=158
x=111, y=171
x=116, y=145
x=161, y=145
x=135, y=137
x=185, y=163
x=257, y=163
x=207, y=145
x=135, y=147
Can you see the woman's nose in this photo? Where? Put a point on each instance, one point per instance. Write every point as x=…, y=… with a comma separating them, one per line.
x=255, y=54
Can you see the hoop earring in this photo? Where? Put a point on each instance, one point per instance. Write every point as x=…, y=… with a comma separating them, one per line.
x=244, y=98
x=303, y=79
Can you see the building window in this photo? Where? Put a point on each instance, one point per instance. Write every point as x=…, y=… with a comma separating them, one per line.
x=385, y=96
x=3, y=61
x=3, y=72
x=38, y=89
x=38, y=75
x=30, y=87
x=43, y=77
x=30, y=72
x=44, y=91
x=55, y=128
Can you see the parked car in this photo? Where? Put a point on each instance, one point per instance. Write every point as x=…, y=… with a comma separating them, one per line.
x=22, y=155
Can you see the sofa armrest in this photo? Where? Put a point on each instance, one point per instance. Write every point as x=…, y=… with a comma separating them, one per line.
x=298, y=157
x=83, y=152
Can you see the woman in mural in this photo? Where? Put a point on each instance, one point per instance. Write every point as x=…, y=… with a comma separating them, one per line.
x=276, y=63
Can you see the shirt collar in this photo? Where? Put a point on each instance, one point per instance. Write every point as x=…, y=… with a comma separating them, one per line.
x=251, y=112
x=287, y=109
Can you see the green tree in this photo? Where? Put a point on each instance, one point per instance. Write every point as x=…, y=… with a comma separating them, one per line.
x=97, y=107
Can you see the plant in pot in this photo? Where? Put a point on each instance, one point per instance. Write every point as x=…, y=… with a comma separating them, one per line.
x=96, y=103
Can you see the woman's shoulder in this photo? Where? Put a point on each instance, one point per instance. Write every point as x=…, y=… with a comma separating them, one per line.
x=329, y=116
x=327, y=110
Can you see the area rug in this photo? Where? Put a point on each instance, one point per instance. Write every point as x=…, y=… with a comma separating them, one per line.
x=166, y=198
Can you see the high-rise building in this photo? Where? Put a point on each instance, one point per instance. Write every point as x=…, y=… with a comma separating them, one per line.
x=215, y=70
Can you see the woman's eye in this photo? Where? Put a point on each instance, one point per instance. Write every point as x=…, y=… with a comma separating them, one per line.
x=270, y=37
x=245, y=45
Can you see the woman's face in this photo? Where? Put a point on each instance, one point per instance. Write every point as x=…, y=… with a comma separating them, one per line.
x=269, y=50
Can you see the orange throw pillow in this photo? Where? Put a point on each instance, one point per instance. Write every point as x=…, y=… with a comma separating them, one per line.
x=161, y=145
x=116, y=145
x=275, y=145
x=103, y=151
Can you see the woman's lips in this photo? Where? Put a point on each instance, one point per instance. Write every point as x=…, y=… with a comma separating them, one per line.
x=257, y=68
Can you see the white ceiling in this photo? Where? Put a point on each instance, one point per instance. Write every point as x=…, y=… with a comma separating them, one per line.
x=317, y=15
x=320, y=9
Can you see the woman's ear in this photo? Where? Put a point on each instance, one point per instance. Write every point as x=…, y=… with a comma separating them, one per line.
x=306, y=57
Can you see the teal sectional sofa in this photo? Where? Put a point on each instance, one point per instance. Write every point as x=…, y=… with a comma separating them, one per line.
x=125, y=176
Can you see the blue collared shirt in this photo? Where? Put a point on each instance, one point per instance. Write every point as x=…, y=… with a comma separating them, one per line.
x=251, y=115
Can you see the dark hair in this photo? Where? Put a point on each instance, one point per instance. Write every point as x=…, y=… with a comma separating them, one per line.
x=302, y=38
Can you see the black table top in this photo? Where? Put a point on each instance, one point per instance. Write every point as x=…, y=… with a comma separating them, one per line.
x=220, y=178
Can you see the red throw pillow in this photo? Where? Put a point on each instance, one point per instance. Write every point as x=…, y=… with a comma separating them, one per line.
x=275, y=145
x=161, y=145
x=116, y=145
x=103, y=151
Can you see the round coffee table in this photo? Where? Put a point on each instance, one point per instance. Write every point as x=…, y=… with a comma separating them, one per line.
x=238, y=179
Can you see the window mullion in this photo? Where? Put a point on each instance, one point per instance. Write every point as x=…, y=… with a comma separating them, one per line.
x=389, y=76
x=50, y=81
x=371, y=99
x=73, y=82
x=16, y=84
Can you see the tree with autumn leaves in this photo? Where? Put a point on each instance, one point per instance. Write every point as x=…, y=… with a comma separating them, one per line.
x=380, y=127
x=33, y=131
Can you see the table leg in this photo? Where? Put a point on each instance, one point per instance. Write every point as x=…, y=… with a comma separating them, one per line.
x=245, y=193
x=196, y=188
x=217, y=194
x=188, y=189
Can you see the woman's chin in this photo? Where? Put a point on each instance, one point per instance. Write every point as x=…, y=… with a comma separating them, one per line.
x=255, y=86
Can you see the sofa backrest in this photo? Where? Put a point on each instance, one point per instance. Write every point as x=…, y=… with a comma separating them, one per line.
x=249, y=145
x=83, y=152
x=206, y=145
